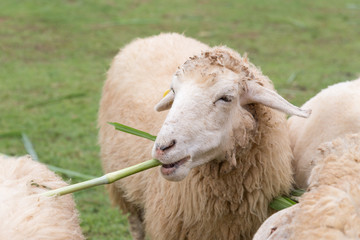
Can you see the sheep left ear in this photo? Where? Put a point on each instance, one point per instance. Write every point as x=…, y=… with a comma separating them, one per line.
x=258, y=94
x=166, y=102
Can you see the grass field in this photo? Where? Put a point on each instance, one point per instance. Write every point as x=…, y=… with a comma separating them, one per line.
x=54, y=56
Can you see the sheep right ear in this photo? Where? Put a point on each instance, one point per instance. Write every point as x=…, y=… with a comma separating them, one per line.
x=166, y=102
x=258, y=94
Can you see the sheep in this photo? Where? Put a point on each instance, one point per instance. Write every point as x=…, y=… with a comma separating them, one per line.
x=335, y=113
x=330, y=209
x=330, y=119
x=223, y=147
x=24, y=213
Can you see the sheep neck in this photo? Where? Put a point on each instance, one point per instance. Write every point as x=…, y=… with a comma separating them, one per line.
x=228, y=186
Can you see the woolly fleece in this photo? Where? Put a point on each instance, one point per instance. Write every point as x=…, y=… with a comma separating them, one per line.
x=216, y=200
x=26, y=215
x=335, y=113
x=331, y=208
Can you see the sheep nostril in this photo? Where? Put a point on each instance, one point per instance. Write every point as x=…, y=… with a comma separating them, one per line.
x=168, y=146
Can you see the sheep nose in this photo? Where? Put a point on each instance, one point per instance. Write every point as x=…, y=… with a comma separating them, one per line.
x=160, y=149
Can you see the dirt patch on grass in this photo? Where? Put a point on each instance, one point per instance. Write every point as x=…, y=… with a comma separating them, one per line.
x=3, y=19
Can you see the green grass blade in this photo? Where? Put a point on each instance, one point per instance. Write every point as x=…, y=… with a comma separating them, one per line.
x=29, y=147
x=55, y=100
x=133, y=131
x=110, y=177
x=69, y=173
x=114, y=176
x=106, y=179
x=297, y=192
x=292, y=202
x=292, y=77
x=280, y=203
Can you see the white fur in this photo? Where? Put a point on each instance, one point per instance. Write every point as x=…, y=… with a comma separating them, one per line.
x=24, y=214
x=327, y=163
x=330, y=209
x=335, y=113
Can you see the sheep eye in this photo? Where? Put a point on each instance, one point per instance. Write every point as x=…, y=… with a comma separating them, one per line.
x=225, y=99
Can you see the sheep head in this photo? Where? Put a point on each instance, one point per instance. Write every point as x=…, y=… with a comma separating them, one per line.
x=209, y=110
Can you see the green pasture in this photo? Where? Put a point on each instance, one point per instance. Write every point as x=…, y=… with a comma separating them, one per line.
x=54, y=55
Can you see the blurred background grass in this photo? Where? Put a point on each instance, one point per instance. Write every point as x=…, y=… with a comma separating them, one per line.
x=54, y=56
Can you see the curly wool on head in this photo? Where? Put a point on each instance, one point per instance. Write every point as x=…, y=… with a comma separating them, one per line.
x=222, y=57
x=24, y=213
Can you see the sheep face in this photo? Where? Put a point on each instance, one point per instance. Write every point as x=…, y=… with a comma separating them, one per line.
x=209, y=114
x=200, y=125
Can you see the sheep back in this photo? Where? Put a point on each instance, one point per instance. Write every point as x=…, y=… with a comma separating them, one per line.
x=335, y=113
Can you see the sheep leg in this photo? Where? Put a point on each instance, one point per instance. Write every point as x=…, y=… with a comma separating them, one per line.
x=137, y=228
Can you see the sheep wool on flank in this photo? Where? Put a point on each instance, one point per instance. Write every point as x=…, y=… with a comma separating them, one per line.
x=24, y=214
x=330, y=209
x=223, y=144
x=335, y=113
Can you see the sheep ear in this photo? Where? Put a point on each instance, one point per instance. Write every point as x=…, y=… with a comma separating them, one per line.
x=258, y=94
x=166, y=102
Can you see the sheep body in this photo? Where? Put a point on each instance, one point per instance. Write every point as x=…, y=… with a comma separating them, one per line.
x=330, y=209
x=24, y=213
x=335, y=112
x=217, y=200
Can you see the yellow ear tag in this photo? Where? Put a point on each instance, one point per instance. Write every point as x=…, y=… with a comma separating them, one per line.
x=166, y=92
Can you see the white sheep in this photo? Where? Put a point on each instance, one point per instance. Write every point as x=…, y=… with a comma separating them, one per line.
x=331, y=208
x=24, y=214
x=335, y=113
x=222, y=132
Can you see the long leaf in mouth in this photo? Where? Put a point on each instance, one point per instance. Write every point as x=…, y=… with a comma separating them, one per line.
x=133, y=131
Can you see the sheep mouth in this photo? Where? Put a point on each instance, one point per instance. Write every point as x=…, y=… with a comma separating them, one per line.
x=168, y=169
